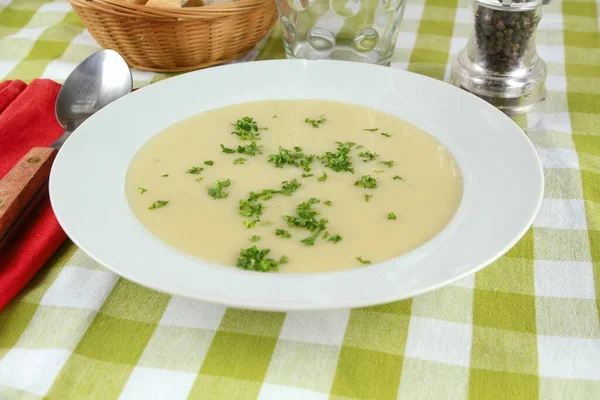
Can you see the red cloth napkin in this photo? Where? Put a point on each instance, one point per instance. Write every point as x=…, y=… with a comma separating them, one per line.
x=27, y=120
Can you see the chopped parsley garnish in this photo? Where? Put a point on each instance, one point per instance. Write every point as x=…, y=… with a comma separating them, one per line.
x=250, y=149
x=305, y=218
x=142, y=190
x=360, y=259
x=289, y=187
x=371, y=129
x=368, y=156
x=227, y=150
x=310, y=241
x=246, y=129
x=274, y=116
x=323, y=177
x=339, y=161
x=199, y=179
x=316, y=122
x=325, y=235
x=256, y=260
x=164, y=176
x=266, y=223
x=368, y=197
x=335, y=238
x=283, y=233
x=250, y=223
x=398, y=177
x=209, y=162
x=194, y=170
x=217, y=191
x=240, y=160
x=385, y=134
x=250, y=207
x=255, y=238
x=367, y=182
x=328, y=203
x=307, y=175
x=158, y=204
x=391, y=215
x=388, y=164
x=287, y=157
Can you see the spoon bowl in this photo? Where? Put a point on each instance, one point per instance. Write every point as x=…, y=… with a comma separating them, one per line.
x=99, y=80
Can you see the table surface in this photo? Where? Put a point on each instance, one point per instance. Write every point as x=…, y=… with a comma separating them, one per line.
x=525, y=327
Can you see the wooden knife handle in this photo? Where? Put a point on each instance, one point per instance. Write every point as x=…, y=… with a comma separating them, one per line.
x=22, y=187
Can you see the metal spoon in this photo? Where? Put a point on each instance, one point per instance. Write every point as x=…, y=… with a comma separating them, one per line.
x=99, y=80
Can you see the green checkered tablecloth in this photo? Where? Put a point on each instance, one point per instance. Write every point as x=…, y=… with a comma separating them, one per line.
x=525, y=327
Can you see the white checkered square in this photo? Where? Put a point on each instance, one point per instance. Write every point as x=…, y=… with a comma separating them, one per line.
x=190, y=313
x=564, y=279
x=442, y=341
x=413, y=12
x=556, y=83
x=323, y=327
x=558, y=158
x=570, y=358
x=277, y=392
x=551, y=53
x=561, y=214
x=80, y=287
x=157, y=384
x=31, y=370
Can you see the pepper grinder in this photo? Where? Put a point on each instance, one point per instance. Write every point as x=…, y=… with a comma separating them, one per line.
x=500, y=63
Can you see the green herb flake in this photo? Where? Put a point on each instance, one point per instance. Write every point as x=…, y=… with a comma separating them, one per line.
x=250, y=223
x=209, y=162
x=283, y=233
x=158, y=204
x=274, y=116
x=251, y=149
x=164, y=176
x=240, y=160
x=283, y=260
x=254, y=259
x=360, y=259
x=194, y=170
x=199, y=179
x=217, y=191
x=255, y=238
x=295, y=158
x=227, y=150
x=388, y=164
x=391, y=215
x=367, y=182
x=340, y=160
x=385, y=134
x=398, y=177
x=378, y=171
x=371, y=129
x=368, y=197
x=335, y=238
x=250, y=207
x=323, y=177
x=368, y=156
x=307, y=175
x=325, y=235
x=289, y=187
x=305, y=218
x=266, y=223
x=328, y=203
x=142, y=190
x=246, y=129
x=316, y=122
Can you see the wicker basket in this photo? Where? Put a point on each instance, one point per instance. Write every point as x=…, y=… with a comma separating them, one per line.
x=183, y=39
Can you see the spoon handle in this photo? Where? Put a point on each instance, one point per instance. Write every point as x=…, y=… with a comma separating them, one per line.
x=22, y=187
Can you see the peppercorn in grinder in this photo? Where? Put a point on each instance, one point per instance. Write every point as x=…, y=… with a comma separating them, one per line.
x=500, y=63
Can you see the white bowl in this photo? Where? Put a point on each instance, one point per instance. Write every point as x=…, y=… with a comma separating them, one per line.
x=503, y=184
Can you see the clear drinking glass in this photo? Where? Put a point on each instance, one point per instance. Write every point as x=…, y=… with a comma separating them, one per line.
x=353, y=30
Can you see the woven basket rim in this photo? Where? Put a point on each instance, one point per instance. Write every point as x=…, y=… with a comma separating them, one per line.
x=123, y=8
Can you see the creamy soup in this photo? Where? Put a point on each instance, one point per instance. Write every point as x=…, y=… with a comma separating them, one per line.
x=380, y=185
